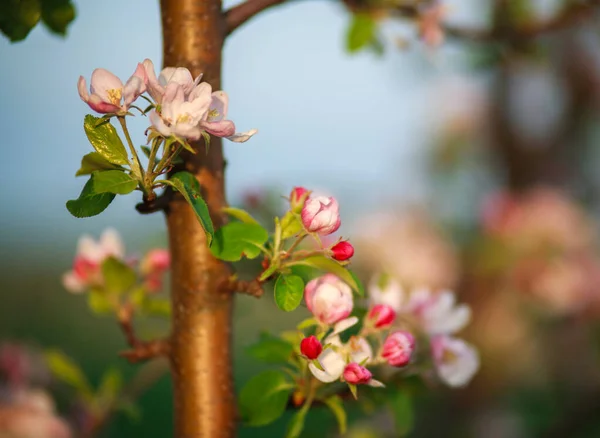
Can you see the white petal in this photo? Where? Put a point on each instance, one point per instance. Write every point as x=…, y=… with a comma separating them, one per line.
x=321, y=375
x=72, y=283
x=111, y=243
x=82, y=89
x=242, y=137
x=88, y=249
x=360, y=350
x=375, y=383
x=332, y=362
x=159, y=124
x=344, y=324
x=392, y=295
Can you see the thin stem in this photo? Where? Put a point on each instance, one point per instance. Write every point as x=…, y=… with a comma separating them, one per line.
x=166, y=159
x=138, y=170
x=155, y=146
x=297, y=242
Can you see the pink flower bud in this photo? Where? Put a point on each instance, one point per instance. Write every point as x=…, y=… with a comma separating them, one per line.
x=342, y=251
x=311, y=347
x=398, y=348
x=298, y=196
x=381, y=316
x=153, y=267
x=328, y=298
x=356, y=374
x=321, y=215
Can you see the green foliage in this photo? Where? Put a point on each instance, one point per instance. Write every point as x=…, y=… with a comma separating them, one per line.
x=105, y=140
x=336, y=405
x=361, y=33
x=290, y=225
x=110, y=386
x=19, y=17
x=402, y=409
x=296, y=424
x=328, y=265
x=264, y=397
x=186, y=184
x=238, y=239
x=241, y=215
x=157, y=307
x=67, y=371
x=57, y=15
x=113, y=181
x=270, y=349
x=94, y=161
x=99, y=302
x=118, y=277
x=89, y=202
x=289, y=290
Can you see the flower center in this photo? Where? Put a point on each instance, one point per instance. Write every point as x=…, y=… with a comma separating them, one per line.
x=213, y=114
x=114, y=96
x=183, y=118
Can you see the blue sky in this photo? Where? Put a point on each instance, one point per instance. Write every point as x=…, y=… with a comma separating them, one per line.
x=354, y=126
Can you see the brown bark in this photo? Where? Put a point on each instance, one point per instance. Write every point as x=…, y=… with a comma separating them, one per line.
x=193, y=32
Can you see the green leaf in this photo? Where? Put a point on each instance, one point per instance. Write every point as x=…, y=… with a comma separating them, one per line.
x=336, y=405
x=328, y=265
x=237, y=239
x=118, y=277
x=361, y=288
x=19, y=17
x=105, y=140
x=186, y=184
x=94, y=161
x=296, y=424
x=67, y=371
x=241, y=215
x=353, y=390
x=361, y=33
x=271, y=350
x=289, y=290
x=268, y=272
x=99, y=302
x=402, y=410
x=310, y=322
x=264, y=397
x=113, y=181
x=290, y=225
x=111, y=384
x=57, y=15
x=89, y=202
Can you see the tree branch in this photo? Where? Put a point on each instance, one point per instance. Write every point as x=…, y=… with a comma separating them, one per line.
x=141, y=350
x=253, y=287
x=238, y=15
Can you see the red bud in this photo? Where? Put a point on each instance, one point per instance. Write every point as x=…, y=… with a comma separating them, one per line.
x=342, y=251
x=311, y=347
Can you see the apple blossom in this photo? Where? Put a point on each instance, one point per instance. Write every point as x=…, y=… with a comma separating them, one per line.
x=180, y=115
x=177, y=75
x=333, y=360
x=214, y=121
x=356, y=374
x=456, y=361
x=90, y=254
x=381, y=316
x=342, y=251
x=386, y=291
x=321, y=215
x=328, y=298
x=332, y=364
x=107, y=92
x=311, y=347
x=437, y=313
x=153, y=266
x=398, y=348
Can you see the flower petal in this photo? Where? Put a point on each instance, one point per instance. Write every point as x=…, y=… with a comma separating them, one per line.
x=111, y=243
x=321, y=375
x=72, y=283
x=344, y=324
x=375, y=383
x=102, y=81
x=155, y=89
x=132, y=90
x=218, y=107
x=242, y=137
x=82, y=89
x=224, y=128
x=159, y=124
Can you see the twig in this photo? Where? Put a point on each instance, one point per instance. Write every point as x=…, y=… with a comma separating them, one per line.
x=253, y=287
x=159, y=203
x=238, y=15
x=141, y=350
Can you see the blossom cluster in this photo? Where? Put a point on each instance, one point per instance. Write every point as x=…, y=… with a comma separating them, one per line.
x=182, y=107
x=421, y=321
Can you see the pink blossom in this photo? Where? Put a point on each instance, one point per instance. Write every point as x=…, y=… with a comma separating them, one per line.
x=381, y=316
x=456, y=361
x=386, y=291
x=328, y=298
x=321, y=215
x=88, y=260
x=153, y=267
x=108, y=94
x=437, y=313
x=342, y=251
x=298, y=197
x=169, y=75
x=214, y=121
x=398, y=348
x=311, y=347
x=356, y=374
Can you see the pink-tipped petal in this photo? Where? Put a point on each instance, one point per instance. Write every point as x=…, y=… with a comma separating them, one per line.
x=132, y=90
x=224, y=128
x=242, y=137
x=155, y=89
x=102, y=82
x=82, y=89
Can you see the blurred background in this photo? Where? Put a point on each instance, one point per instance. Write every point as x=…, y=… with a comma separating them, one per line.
x=469, y=166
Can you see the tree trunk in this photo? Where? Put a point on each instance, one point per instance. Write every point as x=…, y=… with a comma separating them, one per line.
x=204, y=403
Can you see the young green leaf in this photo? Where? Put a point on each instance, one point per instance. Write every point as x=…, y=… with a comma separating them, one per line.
x=104, y=138
x=289, y=290
x=94, y=161
x=186, y=184
x=268, y=272
x=271, y=350
x=328, y=265
x=99, y=302
x=118, y=276
x=296, y=424
x=336, y=405
x=89, y=202
x=113, y=181
x=112, y=382
x=67, y=371
x=264, y=397
x=237, y=239
x=361, y=32
x=241, y=215
x=290, y=225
